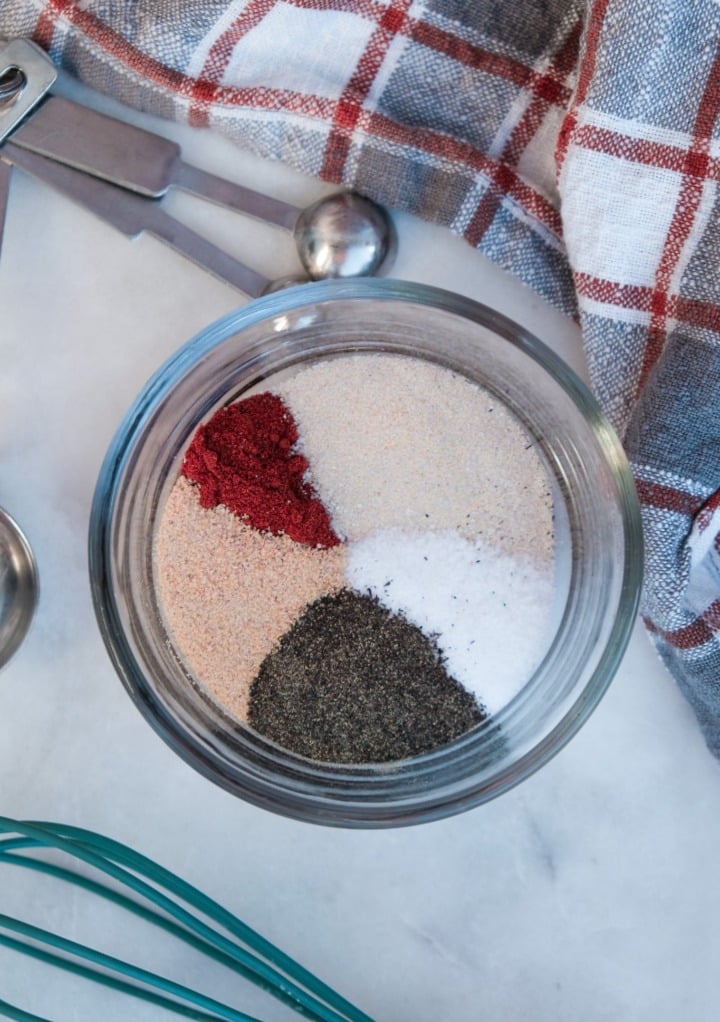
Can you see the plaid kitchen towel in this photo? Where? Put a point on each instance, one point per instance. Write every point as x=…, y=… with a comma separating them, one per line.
x=574, y=142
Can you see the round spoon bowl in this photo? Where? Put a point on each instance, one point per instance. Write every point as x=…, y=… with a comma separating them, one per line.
x=345, y=235
x=18, y=587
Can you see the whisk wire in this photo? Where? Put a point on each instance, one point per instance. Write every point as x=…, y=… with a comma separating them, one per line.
x=118, y=898
x=10, y=1011
x=280, y=975
x=262, y=974
x=138, y=909
x=164, y=878
x=115, y=983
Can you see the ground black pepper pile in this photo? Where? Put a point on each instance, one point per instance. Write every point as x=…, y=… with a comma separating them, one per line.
x=352, y=683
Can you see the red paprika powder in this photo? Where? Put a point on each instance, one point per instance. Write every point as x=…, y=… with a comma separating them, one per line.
x=243, y=458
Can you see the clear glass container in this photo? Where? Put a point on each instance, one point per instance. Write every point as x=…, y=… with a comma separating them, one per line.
x=598, y=547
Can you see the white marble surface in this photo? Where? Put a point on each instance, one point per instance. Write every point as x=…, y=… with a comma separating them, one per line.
x=589, y=892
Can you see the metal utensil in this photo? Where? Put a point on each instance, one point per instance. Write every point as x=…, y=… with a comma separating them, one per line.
x=122, y=172
x=5, y=172
x=11, y=81
x=341, y=235
x=21, y=89
x=135, y=159
x=26, y=73
x=18, y=586
x=132, y=214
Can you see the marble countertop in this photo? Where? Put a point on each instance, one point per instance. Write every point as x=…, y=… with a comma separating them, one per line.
x=588, y=892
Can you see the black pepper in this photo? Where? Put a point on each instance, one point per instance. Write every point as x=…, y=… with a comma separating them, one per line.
x=350, y=682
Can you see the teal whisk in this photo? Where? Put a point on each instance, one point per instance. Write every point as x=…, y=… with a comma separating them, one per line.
x=171, y=904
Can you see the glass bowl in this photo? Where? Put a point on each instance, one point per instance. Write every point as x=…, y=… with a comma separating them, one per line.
x=598, y=549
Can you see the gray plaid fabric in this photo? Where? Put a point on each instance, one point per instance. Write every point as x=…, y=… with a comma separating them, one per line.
x=574, y=143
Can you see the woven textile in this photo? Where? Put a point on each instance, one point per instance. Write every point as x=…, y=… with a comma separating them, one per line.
x=574, y=142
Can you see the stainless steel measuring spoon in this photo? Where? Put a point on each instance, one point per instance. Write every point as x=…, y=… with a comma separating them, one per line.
x=5, y=171
x=331, y=252
x=20, y=91
x=342, y=235
x=18, y=586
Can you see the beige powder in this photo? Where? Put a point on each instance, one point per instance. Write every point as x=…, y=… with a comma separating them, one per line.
x=229, y=592
x=400, y=443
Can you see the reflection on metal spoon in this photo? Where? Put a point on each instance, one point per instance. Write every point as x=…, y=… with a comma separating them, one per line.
x=11, y=82
x=283, y=282
x=18, y=586
x=345, y=235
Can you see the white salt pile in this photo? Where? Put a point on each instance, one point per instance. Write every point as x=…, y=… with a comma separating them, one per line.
x=489, y=612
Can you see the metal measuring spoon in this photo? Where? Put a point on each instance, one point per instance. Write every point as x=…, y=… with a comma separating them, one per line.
x=134, y=214
x=11, y=82
x=18, y=586
x=343, y=235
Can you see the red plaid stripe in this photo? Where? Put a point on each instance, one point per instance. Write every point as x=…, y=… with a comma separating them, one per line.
x=706, y=513
x=703, y=629
x=454, y=152
x=111, y=42
x=349, y=108
x=206, y=88
x=549, y=85
x=652, y=154
x=697, y=633
x=208, y=91
x=593, y=32
x=668, y=498
x=692, y=311
x=547, y=89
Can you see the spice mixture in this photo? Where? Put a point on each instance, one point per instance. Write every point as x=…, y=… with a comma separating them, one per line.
x=358, y=563
x=397, y=442
x=347, y=664
x=244, y=459
x=229, y=591
x=472, y=598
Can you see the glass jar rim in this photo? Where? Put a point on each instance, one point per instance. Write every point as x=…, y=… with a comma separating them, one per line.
x=413, y=790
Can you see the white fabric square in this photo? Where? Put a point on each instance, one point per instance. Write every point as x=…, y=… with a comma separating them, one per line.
x=222, y=25
x=617, y=215
x=335, y=40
